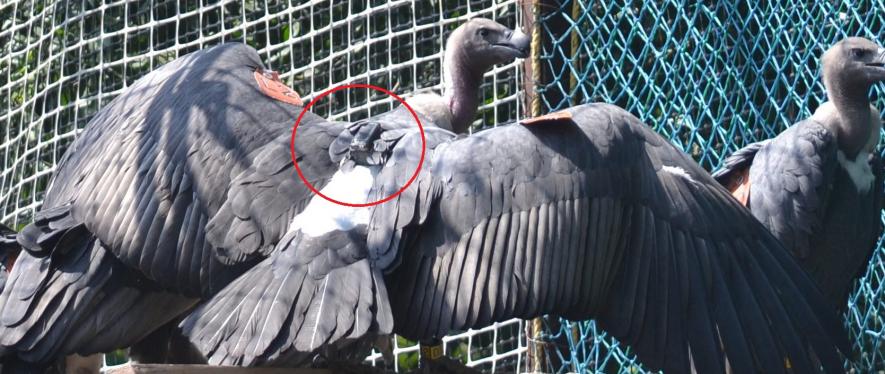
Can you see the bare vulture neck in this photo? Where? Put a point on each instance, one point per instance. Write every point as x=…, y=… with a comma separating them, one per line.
x=461, y=82
x=851, y=120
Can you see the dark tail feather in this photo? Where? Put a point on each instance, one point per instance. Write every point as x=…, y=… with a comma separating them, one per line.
x=282, y=310
x=79, y=300
x=53, y=229
x=14, y=365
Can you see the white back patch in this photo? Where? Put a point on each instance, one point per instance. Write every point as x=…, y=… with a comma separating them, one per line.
x=675, y=170
x=322, y=216
x=434, y=107
x=859, y=170
x=824, y=112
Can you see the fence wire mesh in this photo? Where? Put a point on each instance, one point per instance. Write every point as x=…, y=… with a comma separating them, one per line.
x=61, y=61
x=713, y=77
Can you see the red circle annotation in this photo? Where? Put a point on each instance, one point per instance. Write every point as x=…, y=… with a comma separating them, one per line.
x=345, y=87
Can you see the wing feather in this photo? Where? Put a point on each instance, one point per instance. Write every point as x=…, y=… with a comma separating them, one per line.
x=606, y=220
x=791, y=177
x=512, y=262
x=180, y=132
x=311, y=292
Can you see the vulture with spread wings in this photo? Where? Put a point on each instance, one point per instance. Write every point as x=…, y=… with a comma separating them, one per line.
x=178, y=186
x=585, y=213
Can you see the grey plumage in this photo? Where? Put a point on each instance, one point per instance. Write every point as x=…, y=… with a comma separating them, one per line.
x=801, y=183
x=738, y=162
x=312, y=292
x=123, y=243
x=590, y=217
x=322, y=291
x=646, y=230
x=175, y=188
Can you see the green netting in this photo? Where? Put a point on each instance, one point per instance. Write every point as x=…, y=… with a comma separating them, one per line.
x=712, y=77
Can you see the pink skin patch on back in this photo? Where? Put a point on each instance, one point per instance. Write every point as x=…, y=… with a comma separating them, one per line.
x=548, y=118
x=740, y=186
x=269, y=83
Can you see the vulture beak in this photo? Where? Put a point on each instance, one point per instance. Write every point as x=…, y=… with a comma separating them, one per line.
x=516, y=41
x=876, y=66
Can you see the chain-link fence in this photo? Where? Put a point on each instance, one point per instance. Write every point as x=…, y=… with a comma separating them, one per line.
x=711, y=76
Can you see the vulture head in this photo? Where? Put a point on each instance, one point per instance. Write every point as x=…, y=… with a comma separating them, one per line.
x=471, y=50
x=854, y=62
x=482, y=43
x=850, y=68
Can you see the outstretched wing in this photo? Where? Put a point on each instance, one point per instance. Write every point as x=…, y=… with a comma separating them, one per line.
x=320, y=286
x=596, y=217
x=312, y=291
x=264, y=198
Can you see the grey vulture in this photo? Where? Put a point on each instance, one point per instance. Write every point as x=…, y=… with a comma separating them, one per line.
x=817, y=186
x=174, y=189
x=586, y=213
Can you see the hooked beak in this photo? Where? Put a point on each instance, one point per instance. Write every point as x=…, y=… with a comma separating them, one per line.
x=879, y=60
x=877, y=66
x=518, y=42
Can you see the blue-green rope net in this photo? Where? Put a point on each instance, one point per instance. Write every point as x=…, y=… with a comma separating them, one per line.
x=711, y=77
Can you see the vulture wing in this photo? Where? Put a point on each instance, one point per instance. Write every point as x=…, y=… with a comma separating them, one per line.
x=596, y=217
x=264, y=198
x=320, y=287
x=735, y=172
x=122, y=244
x=157, y=164
x=311, y=292
x=738, y=162
x=791, y=180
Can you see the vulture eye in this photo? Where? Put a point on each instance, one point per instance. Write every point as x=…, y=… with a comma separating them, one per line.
x=858, y=52
x=483, y=32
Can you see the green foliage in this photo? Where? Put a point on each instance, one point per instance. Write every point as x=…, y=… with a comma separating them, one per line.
x=407, y=361
x=116, y=357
